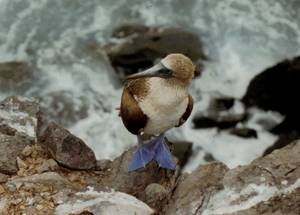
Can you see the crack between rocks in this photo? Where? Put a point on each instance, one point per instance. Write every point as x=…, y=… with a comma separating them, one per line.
x=268, y=171
x=292, y=170
x=203, y=204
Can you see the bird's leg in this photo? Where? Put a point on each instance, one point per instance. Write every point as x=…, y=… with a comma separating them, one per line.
x=142, y=156
x=156, y=149
x=162, y=152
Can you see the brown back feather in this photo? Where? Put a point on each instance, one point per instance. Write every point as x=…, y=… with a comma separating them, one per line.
x=132, y=116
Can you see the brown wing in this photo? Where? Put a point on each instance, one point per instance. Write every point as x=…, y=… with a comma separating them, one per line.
x=187, y=112
x=132, y=116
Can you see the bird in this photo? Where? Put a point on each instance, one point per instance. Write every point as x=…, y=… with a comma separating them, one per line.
x=154, y=101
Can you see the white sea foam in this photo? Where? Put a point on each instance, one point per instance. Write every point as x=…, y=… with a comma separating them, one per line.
x=241, y=38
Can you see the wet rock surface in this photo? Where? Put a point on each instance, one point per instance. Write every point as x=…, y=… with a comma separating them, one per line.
x=67, y=149
x=137, y=47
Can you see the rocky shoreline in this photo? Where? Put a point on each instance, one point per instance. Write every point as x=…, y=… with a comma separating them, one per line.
x=44, y=169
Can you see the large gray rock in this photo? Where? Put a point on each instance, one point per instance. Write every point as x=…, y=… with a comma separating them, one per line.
x=194, y=190
x=67, y=149
x=137, y=47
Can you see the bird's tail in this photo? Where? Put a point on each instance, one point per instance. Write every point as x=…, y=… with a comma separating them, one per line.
x=156, y=150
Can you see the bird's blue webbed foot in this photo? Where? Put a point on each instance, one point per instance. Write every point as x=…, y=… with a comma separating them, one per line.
x=142, y=156
x=163, y=155
x=156, y=149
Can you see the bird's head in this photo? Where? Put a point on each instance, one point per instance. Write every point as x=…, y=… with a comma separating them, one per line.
x=176, y=67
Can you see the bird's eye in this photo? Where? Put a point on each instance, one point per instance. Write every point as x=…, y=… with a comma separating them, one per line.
x=165, y=72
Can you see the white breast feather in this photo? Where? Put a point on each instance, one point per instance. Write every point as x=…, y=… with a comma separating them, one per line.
x=164, y=105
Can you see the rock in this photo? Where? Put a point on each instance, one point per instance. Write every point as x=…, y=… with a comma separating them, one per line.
x=131, y=183
x=137, y=47
x=15, y=77
x=104, y=203
x=269, y=179
x=269, y=184
x=183, y=151
x=282, y=204
x=3, y=178
x=84, y=213
x=18, y=127
x=276, y=89
x=194, y=190
x=10, y=148
x=103, y=165
x=4, y=206
x=47, y=165
x=244, y=132
x=19, y=115
x=67, y=149
x=51, y=179
x=2, y=190
x=213, y=120
x=283, y=140
x=222, y=103
x=221, y=113
x=154, y=195
x=208, y=157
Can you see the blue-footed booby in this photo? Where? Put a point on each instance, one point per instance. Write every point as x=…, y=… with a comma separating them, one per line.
x=153, y=101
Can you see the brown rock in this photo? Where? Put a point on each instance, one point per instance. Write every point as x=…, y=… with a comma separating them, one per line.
x=67, y=149
x=194, y=190
x=154, y=195
x=103, y=165
x=10, y=148
x=3, y=178
x=50, y=179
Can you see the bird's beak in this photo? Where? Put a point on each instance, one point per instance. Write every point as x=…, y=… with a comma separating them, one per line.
x=158, y=70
